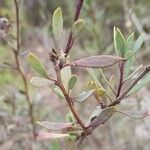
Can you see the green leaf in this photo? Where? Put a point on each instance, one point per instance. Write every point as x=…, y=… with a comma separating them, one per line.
x=129, y=43
x=73, y=136
x=37, y=65
x=72, y=81
x=142, y=83
x=137, y=69
x=114, y=38
x=70, y=117
x=100, y=61
x=119, y=42
x=77, y=26
x=99, y=91
x=129, y=63
x=94, y=114
x=102, y=117
x=55, y=126
x=65, y=76
x=38, y=81
x=57, y=22
x=111, y=83
x=93, y=76
x=59, y=92
x=138, y=43
x=83, y=96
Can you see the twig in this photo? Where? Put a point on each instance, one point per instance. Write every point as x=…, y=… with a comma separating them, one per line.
x=79, y=4
x=16, y=54
x=121, y=66
x=120, y=98
x=68, y=98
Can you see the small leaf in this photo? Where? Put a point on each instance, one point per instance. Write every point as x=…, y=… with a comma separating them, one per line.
x=103, y=116
x=55, y=126
x=98, y=90
x=42, y=135
x=110, y=87
x=83, y=96
x=65, y=76
x=114, y=38
x=77, y=26
x=120, y=42
x=72, y=136
x=37, y=65
x=38, y=81
x=70, y=117
x=135, y=114
x=94, y=77
x=72, y=81
x=129, y=63
x=138, y=69
x=138, y=43
x=142, y=83
x=59, y=92
x=94, y=114
x=129, y=43
x=100, y=61
x=57, y=22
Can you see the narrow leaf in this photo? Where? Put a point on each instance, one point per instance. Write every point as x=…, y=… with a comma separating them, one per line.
x=70, y=117
x=129, y=43
x=57, y=22
x=138, y=43
x=110, y=87
x=114, y=38
x=135, y=114
x=129, y=63
x=120, y=43
x=65, y=76
x=42, y=135
x=55, y=126
x=72, y=81
x=94, y=114
x=98, y=90
x=100, y=61
x=59, y=92
x=142, y=83
x=38, y=81
x=37, y=65
x=83, y=96
x=104, y=115
x=94, y=77
x=77, y=26
x=134, y=72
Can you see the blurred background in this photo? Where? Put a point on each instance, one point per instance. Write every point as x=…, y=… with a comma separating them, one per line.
x=120, y=132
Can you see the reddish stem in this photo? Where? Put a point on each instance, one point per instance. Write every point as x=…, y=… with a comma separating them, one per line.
x=68, y=98
x=121, y=66
x=79, y=4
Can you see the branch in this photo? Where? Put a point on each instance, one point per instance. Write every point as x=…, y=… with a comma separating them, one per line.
x=121, y=66
x=120, y=98
x=79, y=4
x=16, y=54
x=68, y=98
